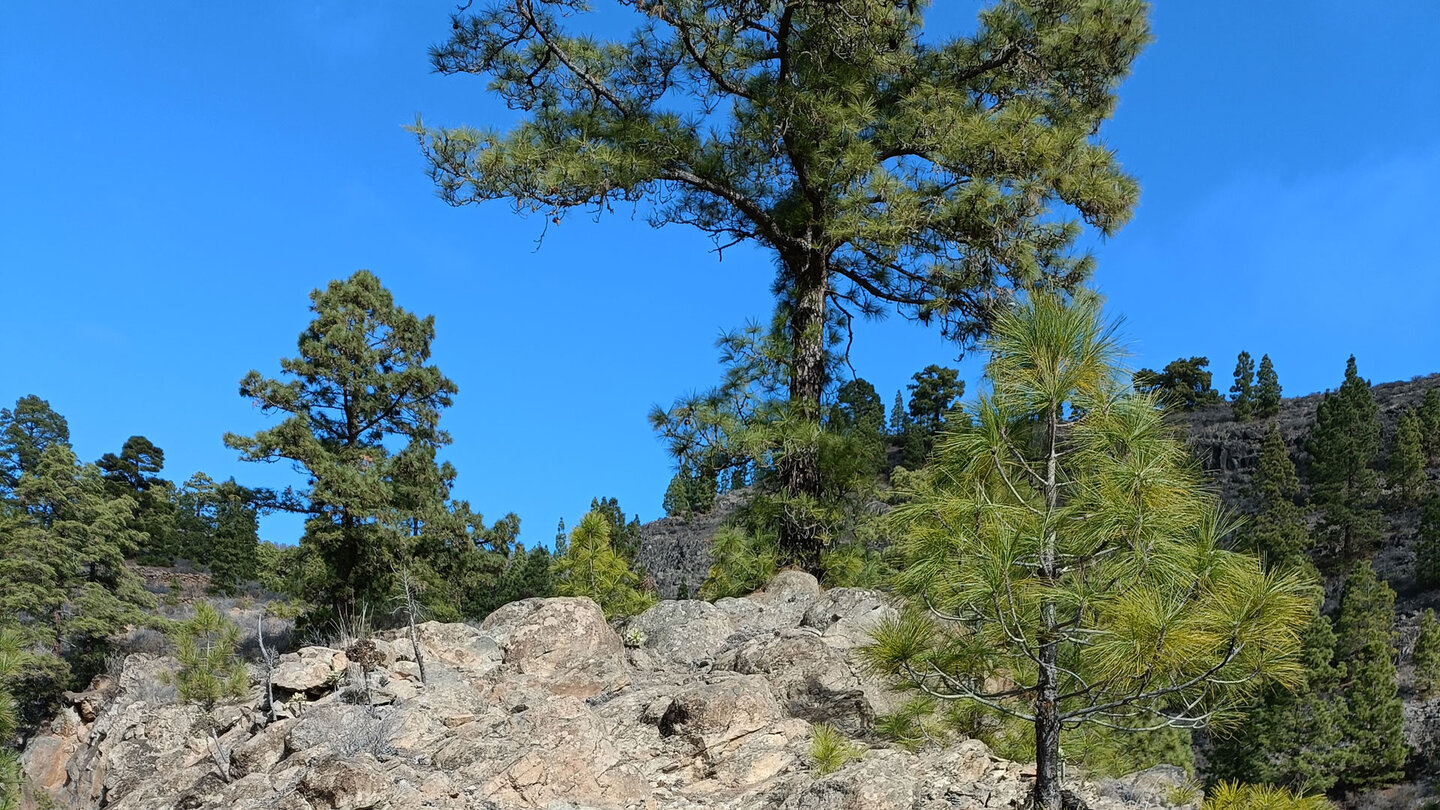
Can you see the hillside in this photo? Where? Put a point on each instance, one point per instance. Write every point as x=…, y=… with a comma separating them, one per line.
x=689, y=706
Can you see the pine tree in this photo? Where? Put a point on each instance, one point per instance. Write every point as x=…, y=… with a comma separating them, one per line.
x=1278, y=532
x=1426, y=658
x=211, y=671
x=592, y=568
x=1091, y=582
x=25, y=434
x=1291, y=738
x=1242, y=396
x=134, y=472
x=1267, y=389
x=1373, y=752
x=624, y=536
x=815, y=131
x=362, y=408
x=1344, y=443
x=1430, y=425
x=933, y=393
x=899, y=419
x=233, y=559
x=677, y=496
x=1427, y=544
x=1406, y=473
x=1183, y=384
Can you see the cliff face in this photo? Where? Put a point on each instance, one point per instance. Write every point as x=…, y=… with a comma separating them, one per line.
x=691, y=705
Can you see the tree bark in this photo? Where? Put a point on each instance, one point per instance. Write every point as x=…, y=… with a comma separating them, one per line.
x=1047, y=687
x=800, y=467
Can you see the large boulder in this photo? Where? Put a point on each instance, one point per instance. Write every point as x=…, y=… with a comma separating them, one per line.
x=845, y=617
x=811, y=679
x=566, y=644
x=684, y=632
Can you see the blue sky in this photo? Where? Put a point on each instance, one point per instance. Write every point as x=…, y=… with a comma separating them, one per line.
x=176, y=177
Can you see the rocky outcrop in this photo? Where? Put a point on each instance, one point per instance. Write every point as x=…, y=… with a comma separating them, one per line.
x=545, y=705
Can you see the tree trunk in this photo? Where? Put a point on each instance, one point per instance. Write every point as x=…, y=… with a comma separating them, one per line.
x=800, y=467
x=1047, y=687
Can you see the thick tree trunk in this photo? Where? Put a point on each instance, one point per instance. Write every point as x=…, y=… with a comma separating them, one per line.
x=800, y=468
x=1047, y=693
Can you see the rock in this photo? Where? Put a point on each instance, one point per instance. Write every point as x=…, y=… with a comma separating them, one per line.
x=846, y=616
x=870, y=784
x=460, y=646
x=789, y=587
x=683, y=632
x=1151, y=786
x=341, y=784
x=565, y=643
x=297, y=674
x=712, y=714
x=811, y=679
x=260, y=753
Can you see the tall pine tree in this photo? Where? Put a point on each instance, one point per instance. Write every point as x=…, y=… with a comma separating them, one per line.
x=1429, y=413
x=1427, y=543
x=1343, y=445
x=1426, y=658
x=1267, y=389
x=1406, y=472
x=26, y=432
x=1373, y=751
x=880, y=168
x=361, y=405
x=1242, y=395
x=1278, y=532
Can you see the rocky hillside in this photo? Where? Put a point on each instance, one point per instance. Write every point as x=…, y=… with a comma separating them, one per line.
x=545, y=705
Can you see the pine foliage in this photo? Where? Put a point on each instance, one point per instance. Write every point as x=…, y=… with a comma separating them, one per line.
x=592, y=568
x=211, y=671
x=1427, y=543
x=1267, y=389
x=1426, y=657
x=1278, y=532
x=1072, y=571
x=1242, y=393
x=1237, y=796
x=1373, y=751
x=1343, y=445
x=1429, y=413
x=1406, y=473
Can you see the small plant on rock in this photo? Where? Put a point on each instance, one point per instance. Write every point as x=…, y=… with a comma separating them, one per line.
x=830, y=750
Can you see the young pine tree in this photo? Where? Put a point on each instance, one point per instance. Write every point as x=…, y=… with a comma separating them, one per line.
x=1344, y=443
x=677, y=496
x=1427, y=544
x=211, y=671
x=1373, y=752
x=1067, y=571
x=592, y=568
x=899, y=419
x=1406, y=473
x=1278, y=532
x=1242, y=395
x=1267, y=389
x=1426, y=658
x=1429, y=414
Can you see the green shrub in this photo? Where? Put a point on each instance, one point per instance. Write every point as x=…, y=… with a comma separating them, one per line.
x=1235, y=796
x=830, y=750
x=741, y=563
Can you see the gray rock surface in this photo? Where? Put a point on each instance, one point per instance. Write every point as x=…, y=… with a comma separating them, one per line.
x=542, y=707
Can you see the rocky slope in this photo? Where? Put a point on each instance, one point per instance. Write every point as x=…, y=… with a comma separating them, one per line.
x=690, y=705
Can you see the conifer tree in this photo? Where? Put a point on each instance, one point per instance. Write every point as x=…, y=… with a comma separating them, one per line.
x=135, y=472
x=1291, y=738
x=1067, y=571
x=362, y=407
x=1183, y=383
x=624, y=536
x=933, y=393
x=899, y=419
x=1426, y=658
x=815, y=129
x=25, y=434
x=1267, y=389
x=1343, y=445
x=211, y=671
x=1242, y=395
x=677, y=496
x=1430, y=425
x=1373, y=751
x=1278, y=532
x=233, y=558
x=1427, y=543
x=592, y=568
x=1406, y=473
